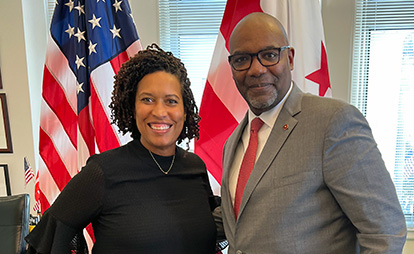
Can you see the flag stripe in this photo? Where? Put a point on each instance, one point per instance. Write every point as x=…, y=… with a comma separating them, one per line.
x=28, y=172
x=29, y=175
x=117, y=61
x=52, y=126
x=47, y=186
x=133, y=49
x=233, y=13
x=57, y=64
x=211, y=137
x=104, y=77
x=36, y=206
x=302, y=20
x=54, y=96
x=220, y=92
x=86, y=130
x=89, y=229
x=44, y=202
x=106, y=138
x=52, y=160
x=218, y=75
x=101, y=76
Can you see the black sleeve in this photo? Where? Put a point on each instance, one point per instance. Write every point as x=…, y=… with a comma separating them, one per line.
x=76, y=206
x=215, y=206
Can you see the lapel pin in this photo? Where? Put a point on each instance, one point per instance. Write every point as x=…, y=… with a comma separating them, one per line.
x=285, y=127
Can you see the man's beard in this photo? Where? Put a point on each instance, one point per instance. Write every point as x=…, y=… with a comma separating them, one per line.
x=257, y=103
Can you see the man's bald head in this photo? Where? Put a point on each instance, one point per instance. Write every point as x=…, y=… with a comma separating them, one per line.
x=259, y=21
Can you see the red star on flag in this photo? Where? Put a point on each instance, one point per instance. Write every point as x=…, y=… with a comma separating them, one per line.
x=321, y=76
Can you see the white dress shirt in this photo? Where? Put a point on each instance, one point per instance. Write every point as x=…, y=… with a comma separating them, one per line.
x=269, y=118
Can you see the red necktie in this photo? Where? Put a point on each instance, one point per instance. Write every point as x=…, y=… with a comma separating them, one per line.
x=247, y=163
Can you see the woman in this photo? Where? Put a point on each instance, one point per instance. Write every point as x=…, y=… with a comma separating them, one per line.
x=148, y=196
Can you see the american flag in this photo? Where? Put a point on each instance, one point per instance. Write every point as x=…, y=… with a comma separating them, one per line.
x=28, y=172
x=302, y=20
x=88, y=42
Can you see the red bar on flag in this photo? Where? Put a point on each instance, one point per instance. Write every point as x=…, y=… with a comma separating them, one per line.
x=302, y=20
x=36, y=206
x=88, y=41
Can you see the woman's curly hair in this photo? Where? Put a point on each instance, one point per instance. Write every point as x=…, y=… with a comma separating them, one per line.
x=145, y=62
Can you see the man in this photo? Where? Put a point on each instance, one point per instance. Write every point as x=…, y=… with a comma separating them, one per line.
x=319, y=184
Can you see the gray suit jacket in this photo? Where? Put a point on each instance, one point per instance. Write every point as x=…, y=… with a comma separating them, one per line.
x=319, y=186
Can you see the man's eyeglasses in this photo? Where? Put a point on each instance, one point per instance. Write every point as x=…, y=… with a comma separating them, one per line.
x=266, y=57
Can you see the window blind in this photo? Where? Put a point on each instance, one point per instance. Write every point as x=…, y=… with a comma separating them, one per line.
x=383, y=86
x=189, y=29
x=50, y=8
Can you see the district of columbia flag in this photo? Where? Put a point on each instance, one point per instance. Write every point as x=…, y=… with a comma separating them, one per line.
x=88, y=42
x=36, y=206
x=303, y=23
x=28, y=172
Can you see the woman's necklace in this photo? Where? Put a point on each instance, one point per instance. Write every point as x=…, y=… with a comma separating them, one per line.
x=156, y=162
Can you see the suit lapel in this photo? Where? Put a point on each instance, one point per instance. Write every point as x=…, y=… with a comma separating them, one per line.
x=281, y=130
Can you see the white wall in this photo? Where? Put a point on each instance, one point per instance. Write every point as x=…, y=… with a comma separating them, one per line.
x=22, y=51
x=146, y=18
x=338, y=19
x=16, y=66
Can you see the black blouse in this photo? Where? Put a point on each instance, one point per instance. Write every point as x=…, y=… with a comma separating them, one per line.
x=133, y=206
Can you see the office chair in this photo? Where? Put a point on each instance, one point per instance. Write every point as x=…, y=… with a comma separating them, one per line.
x=14, y=223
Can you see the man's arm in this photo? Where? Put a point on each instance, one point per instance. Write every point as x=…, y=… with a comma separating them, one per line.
x=356, y=175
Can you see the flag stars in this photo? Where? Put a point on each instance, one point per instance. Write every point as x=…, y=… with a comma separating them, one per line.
x=79, y=62
x=80, y=35
x=92, y=47
x=79, y=88
x=117, y=5
x=80, y=9
x=94, y=21
x=115, y=32
x=70, y=5
x=70, y=31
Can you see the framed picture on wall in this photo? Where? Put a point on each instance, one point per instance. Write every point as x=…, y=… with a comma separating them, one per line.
x=5, y=189
x=5, y=135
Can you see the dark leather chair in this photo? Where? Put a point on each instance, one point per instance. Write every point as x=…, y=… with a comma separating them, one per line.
x=14, y=223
